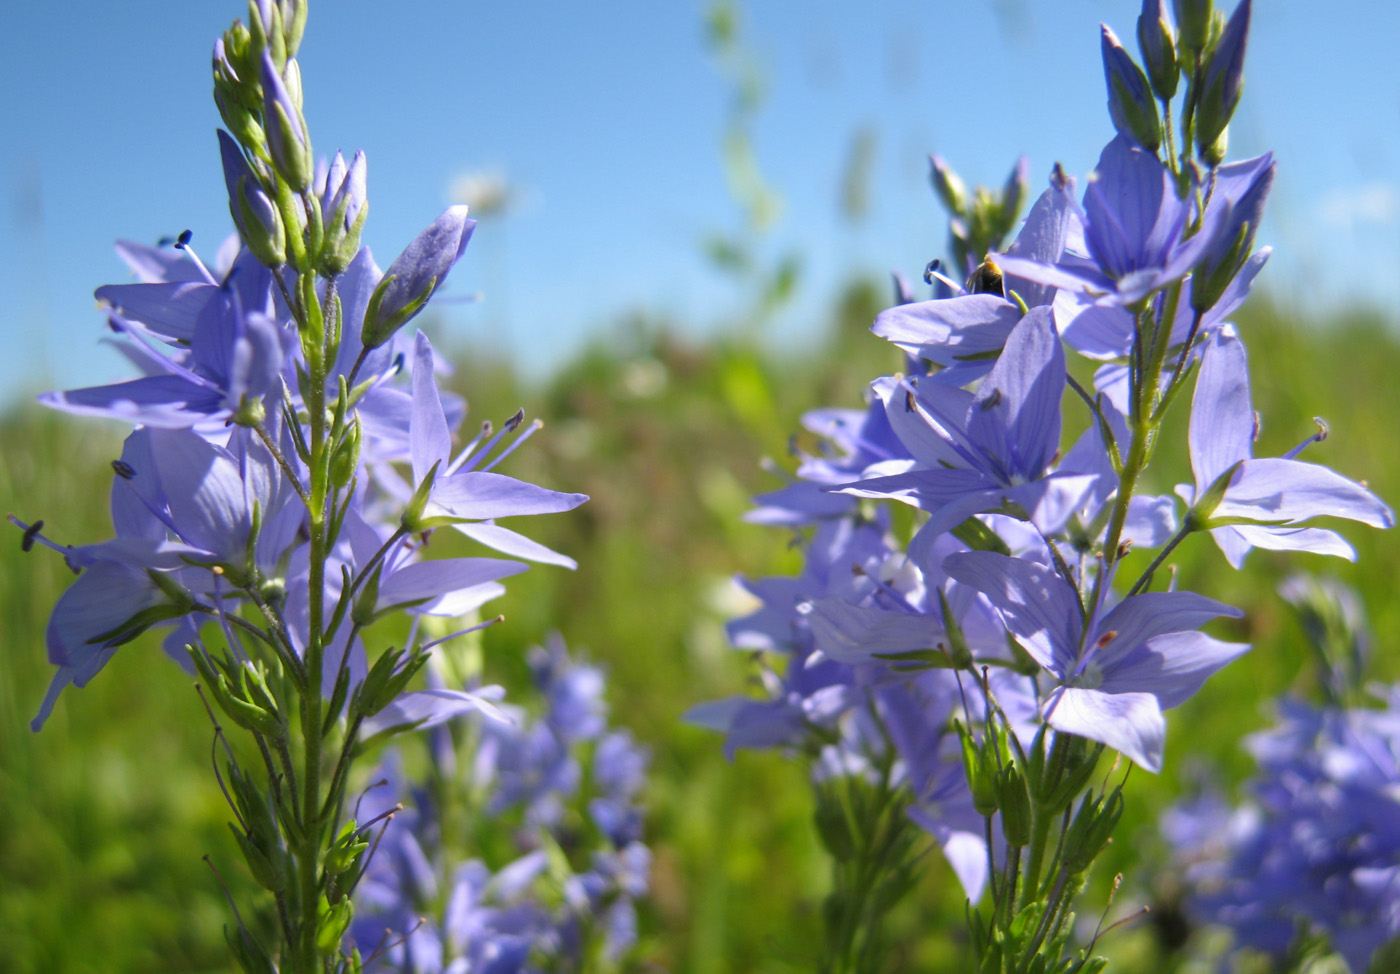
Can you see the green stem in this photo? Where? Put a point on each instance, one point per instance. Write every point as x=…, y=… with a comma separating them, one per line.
x=1040, y=820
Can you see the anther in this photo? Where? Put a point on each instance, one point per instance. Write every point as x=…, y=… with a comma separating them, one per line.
x=991, y=402
x=931, y=270
x=30, y=533
x=1106, y=638
x=124, y=470
x=515, y=420
x=183, y=240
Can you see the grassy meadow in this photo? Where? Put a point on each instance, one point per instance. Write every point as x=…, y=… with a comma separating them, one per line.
x=106, y=816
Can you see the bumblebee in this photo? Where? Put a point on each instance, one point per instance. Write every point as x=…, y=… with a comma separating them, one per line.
x=986, y=279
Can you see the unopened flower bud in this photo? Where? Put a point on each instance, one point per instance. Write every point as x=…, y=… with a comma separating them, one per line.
x=1014, y=192
x=1193, y=24
x=1224, y=79
x=1155, y=38
x=949, y=187
x=1130, y=102
x=343, y=211
x=293, y=24
x=1253, y=180
x=414, y=275
x=258, y=220
x=287, y=141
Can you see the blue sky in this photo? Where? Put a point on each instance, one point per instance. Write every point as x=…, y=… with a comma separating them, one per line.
x=607, y=119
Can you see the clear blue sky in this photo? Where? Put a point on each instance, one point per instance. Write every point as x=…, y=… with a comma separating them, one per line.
x=608, y=118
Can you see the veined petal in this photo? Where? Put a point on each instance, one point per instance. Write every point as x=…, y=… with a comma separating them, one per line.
x=431, y=579
x=1222, y=419
x=1015, y=416
x=428, y=708
x=854, y=634
x=1171, y=666
x=1130, y=723
x=1275, y=489
x=1139, y=618
x=166, y=401
x=1036, y=603
x=168, y=311
x=1319, y=541
x=1071, y=276
x=485, y=496
x=944, y=329
x=511, y=543
x=430, y=441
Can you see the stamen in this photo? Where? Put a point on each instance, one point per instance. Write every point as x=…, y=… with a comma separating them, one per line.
x=525, y=435
x=182, y=242
x=463, y=632
x=466, y=452
x=30, y=533
x=1318, y=437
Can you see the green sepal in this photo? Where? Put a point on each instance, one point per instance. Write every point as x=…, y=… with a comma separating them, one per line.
x=1015, y=803
x=958, y=650
x=833, y=826
x=346, y=852
x=412, y=519
x=1078, y=769
x=1199, y=516
x=337, y=701
x=270, y=874
x=977, y=536
x=373, y=332
x=331, y=921
x=980, y=771
x=346, y=458
x=251, y=955
x=363, y=611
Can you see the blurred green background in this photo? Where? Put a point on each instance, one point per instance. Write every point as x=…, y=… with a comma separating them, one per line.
x=105, y=815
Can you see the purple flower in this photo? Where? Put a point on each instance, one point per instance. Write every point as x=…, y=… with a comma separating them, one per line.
x=1134, y=226
x=985, y=452
x=1245, y=502
x=1130, y=103
x=1116, y=670
x=964, y=333
x=460, y=492
x=415, y=275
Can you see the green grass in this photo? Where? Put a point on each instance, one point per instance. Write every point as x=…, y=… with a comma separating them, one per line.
x=105, y=816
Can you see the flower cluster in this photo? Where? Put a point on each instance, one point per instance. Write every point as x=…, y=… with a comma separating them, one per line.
x=997, y=640
x=1311, y=858
x=1316, y=847
x=563, y=787
x=291, y=459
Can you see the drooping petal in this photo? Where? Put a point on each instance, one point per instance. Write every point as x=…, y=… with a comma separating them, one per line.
x=1131, y=723
x=514, y=544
